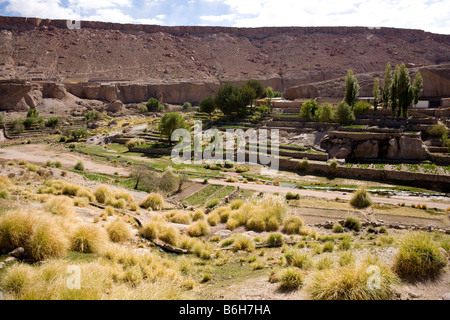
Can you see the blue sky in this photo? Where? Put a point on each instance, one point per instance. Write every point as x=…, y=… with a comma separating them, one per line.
x=429, y=15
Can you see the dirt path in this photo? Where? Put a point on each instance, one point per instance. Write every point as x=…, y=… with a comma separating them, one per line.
x=331, y=195
x=40, y=153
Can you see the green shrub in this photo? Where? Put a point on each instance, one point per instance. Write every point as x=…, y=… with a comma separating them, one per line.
x=303, y=165
x=274, y=240
x=79, y=166
x=352, y=223
x=325, y=113
x=79, y=133
x=153, y=105
x=337, y=228
x=212, y=203
x=361, y=107
x=328, y=246
x=291, y=196
x=419, y=257
x=308, y=109
x=53, y=122
x=142, y=108
x=92, y=115
x=361, y=199
x=187, y=105
x=345, y=113
x=333, y=166
x=133, y=143
x=437, y=130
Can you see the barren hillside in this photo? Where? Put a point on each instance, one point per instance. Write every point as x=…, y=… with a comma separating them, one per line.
x=154, y=55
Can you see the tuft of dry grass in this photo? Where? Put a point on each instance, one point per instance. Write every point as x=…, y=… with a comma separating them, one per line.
x=367, y=280
x=61, y=206
x=153, y=201
x=178, y=217
x=361, y=199
x=419, y=257
x=39, y=234
x=119, y=231
x=89, y=238
x=199, y=229
x=292, y=225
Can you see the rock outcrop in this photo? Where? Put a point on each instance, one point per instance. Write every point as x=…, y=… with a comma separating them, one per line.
x=341, y=145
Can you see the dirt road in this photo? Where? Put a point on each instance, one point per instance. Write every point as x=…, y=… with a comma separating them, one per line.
x=41, y=153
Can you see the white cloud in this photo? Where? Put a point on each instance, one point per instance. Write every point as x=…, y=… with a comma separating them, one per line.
x=220, y=18
x=51, y=9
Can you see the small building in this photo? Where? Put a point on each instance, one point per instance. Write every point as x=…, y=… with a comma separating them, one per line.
x=422, y=104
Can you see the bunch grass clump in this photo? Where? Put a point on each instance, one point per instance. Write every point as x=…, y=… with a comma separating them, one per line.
x=153, y=201
x=419, y=257
x=361, y=199
x=367, y=280
x=61, y=206
x=199, y=229
x=119, y=231
x=291, y=278
x=292, y=225
x=89, y=238
x=40, y=235
x=178, y=217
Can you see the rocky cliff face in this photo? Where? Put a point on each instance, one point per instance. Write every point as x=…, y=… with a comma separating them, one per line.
x=181, y=64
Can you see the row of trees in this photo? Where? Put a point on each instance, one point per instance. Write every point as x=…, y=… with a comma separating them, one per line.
x=233, y=100
x=397, y=91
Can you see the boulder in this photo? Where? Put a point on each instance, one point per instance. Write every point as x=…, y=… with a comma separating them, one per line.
x=446, y=296
x=367, y=150
x=115, y=107
x=412, y=148
x=17, y=253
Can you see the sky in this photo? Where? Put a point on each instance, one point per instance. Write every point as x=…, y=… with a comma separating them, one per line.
x=428, y=15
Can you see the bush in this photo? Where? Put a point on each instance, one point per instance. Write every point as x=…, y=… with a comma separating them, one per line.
x=274, y=240
x=187, y=105
x=419, y=257
x=353, y=282
x=79, y=133
x=337, y=228
x=352, y=223
x=244, y=243
x=361, y=199
x=361, y=107
x=79, y=166
x=39, y=235
x=325, y=113
x=89, y=238
x=303, y=165
x=328, y=246
x=153, y=105
x=199, y=229
x=437, y=130
x=345, y=113
x=53, y=122
x=308, y=109
x=291, y=278
x=333, y=166
x=142, y=109
x=198, y=215
x=292, y=225
x=291, y=196
x=296, y=258
x=119, y=230
x=93, y=115
x=153, y=201
x=169, y=182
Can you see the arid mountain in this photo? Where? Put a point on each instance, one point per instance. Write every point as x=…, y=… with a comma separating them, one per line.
x=154, y=55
